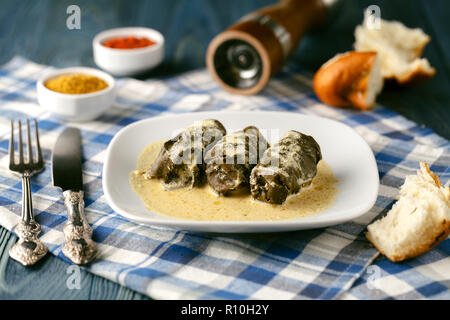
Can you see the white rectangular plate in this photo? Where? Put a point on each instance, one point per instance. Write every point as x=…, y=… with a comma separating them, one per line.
x=349, y=156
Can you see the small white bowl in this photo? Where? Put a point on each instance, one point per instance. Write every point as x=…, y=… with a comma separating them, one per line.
x=126, y=62
x=76, y=107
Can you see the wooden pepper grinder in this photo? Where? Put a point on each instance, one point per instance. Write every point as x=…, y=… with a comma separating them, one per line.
x=244, y=57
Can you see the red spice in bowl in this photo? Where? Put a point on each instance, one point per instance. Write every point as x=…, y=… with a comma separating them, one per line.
x=128, y=43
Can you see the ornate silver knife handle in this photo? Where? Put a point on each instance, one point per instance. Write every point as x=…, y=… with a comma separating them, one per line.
x=79, y=246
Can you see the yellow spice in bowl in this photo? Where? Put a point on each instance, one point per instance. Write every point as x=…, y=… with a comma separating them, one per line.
x=76, y=84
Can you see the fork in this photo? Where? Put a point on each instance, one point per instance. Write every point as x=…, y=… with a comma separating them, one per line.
x=29, y=249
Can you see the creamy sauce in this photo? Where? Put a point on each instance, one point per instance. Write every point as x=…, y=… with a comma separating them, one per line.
x=203, y=204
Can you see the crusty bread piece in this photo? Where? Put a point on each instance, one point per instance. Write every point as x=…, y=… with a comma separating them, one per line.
x=399, y=48
x=349, y=79
x=417, y=222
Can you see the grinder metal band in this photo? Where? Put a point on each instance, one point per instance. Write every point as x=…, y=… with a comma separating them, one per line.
x=283, y=36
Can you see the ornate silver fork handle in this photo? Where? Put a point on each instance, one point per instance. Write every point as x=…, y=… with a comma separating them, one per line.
x=78, y=246
x=29, y=249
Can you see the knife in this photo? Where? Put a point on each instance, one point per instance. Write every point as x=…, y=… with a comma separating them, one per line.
x=66, y=174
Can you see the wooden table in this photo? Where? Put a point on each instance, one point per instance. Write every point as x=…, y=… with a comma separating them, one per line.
x=37, y=30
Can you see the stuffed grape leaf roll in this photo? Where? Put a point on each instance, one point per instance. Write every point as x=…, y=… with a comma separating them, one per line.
x=230, y=162
x=180, y=161
x=285, y=168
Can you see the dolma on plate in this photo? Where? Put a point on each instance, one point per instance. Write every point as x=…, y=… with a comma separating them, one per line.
x=230, y=162
x=180, y=162
x=285, y=168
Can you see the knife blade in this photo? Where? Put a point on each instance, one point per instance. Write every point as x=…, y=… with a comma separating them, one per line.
x=66, y=161
x=67, y=174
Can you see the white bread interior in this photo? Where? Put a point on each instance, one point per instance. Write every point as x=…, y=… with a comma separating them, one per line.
x=375, y=82
x=399, y=48
x=417, y=222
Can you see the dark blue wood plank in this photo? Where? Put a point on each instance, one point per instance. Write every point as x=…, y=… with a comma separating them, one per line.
x=48, y=278
x=37, y=30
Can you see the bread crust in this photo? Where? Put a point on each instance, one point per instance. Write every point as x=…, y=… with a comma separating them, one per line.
x=343, y=80
x=432, y=240
x=435, y=177
x=414, y=77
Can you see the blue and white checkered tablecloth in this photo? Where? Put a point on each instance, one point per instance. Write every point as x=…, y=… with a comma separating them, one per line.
x=330, y=263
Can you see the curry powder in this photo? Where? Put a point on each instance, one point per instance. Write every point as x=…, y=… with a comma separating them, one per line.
x=76, y=84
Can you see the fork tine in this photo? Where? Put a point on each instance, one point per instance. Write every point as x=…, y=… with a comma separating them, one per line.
x=38, y=145
x=20, y=144
x=11, y=146
x=30, y=148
